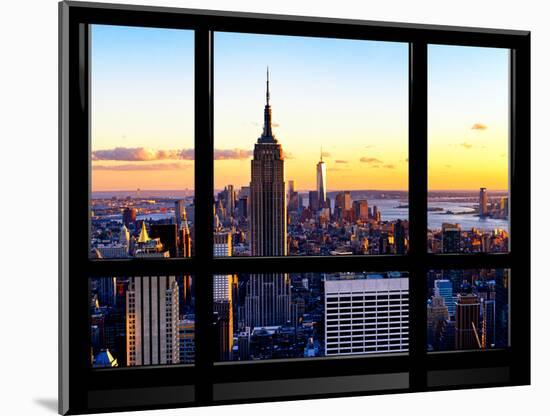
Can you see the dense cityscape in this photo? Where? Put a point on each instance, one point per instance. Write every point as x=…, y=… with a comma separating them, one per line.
x=468, y=309
x=150, y=320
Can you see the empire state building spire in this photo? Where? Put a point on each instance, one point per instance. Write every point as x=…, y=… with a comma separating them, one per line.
x=267, y=134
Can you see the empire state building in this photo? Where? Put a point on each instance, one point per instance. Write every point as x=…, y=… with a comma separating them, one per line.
x=267, y=300
x=267, y=192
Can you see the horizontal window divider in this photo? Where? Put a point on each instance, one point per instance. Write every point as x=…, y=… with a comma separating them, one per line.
x=306, y=264
x=296, y=264
x=143, y=267
x=142, y=376
x=292, y=368
x=468, y=359
x=179, y=18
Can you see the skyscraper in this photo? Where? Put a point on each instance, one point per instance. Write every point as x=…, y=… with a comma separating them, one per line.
x=483, y=209
x=129, y=216
x=267, y=189
x=152, y=307
x=438, y=316
x=267, y=300
x=293, y=201
x=322, y=182
x=380, y=301
x=468, y=332
x=443, y=288
x=399, y=233
x=179, y=211
x=361, y=209
x=451, y=238
x=184, y=235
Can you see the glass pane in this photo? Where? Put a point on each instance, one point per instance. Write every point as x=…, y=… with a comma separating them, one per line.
x=137, y=321
x=468, y=309
x=468, y=139
x=142, y=152
x=311, y=154
x=306, y=315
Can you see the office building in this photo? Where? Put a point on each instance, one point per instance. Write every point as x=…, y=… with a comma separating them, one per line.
x=366, y=313
x=322, y=183
x=152, y=311
x=361, y=210
x=451, y=238
x=468, y=331
x=483, y=202
x=186, y=340
x=443, y=288
x=129, y=216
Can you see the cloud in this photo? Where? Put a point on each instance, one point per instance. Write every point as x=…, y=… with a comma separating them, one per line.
x=370, y=160
x=466, y=145
x=142, y=167
x=325, y=154
x=288, y=155
x=389, y=166
x=340, y=161
x=369, y=146
x=141, y=154
x=479, y=126
x=448, y=166
x=232, y=154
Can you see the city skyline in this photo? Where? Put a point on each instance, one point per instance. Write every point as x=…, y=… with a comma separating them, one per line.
x=142, y=132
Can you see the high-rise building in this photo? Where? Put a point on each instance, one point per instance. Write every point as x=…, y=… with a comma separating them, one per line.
x=222, y=245
x=342, y=204
x=483, y=207
x=502, y=294
x=322, y=183
x=152, y=311
x=186, y=340
x=438, y=317
x=293, y=200
x=399, y=236
x=313, y=201
x=488, y=326
x=376, y=214
x=267, y=300
x=223, y=322
x=184, y=236
x=179, y=212
x=361, y=209
x=223, y=299
x=451, y=238
x=468, y=331
x=267, y=189
x=168, y=235
x=443, y=288
x=129, y=216
x=106, y=291
x=378, y=307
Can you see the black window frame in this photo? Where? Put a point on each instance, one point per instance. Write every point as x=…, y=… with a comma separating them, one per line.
x=84, y=390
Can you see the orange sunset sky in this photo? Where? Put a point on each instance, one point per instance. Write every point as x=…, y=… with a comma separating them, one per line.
x=348, y=97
